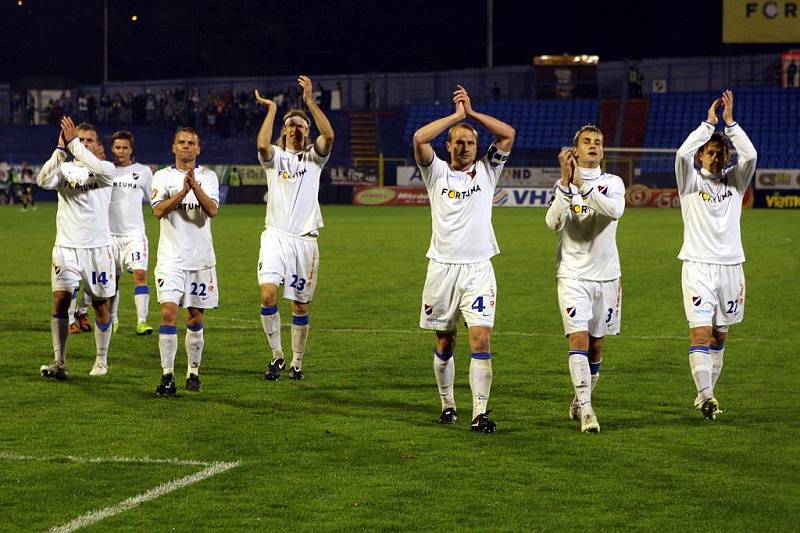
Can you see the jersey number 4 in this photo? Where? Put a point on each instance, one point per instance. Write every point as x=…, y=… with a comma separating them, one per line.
x=478, y=304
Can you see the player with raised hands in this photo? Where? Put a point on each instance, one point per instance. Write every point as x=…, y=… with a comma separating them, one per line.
x=82, y=251
x=711, y=193
x=460, y=279
x=289, y=254
x=587, y=205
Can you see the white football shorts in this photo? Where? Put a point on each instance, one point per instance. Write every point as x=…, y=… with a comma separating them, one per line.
x=291, y=260
x=468, y=290
x=713, y=295
x=187, y=288
x=95, y=266
x=130, y=252
x=592, y=306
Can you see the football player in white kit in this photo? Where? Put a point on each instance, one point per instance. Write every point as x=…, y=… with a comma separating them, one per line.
x=185, y=198
x=132, y=182
x=82, y=251
x=713, y=284
x=460, y=279
x=289, y=254
x=587, y=204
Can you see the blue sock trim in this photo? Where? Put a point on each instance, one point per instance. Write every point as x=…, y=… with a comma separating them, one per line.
x=300, y=320
x=594, y=368
x=584, y=353
x=198, y=327
x=442, y=356
x=703, y=349
x=103, y=327
x=168, y=330
x=64, y=315
x=481, y=355
x=266, y=311
x=717, y=348
x=141, y=289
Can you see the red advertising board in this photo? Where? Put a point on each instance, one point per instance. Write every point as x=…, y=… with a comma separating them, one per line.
x=390, y=196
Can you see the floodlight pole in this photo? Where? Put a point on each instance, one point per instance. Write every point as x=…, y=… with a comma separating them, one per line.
x=105, y=42
x=489, y=33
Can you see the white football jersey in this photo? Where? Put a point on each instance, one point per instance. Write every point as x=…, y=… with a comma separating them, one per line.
x=712, y=205
x=586, y=219
x=84, y=193
x=185, y=240
x=461, y=208
x=131, y=185
x=293, y=190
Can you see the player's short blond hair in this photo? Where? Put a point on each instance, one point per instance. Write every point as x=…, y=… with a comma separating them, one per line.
x=462, y=125
x=588, y=128
x=186, y=129
x=85, y=126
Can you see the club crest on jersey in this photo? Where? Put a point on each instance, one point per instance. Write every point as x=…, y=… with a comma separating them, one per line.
x=697, y=300
x=153, y=194
x=571, y=311
x=135, y=176
x=160, y=282
x=57, y=269
x=428, y=309
x=603, y=189
x=460, y=195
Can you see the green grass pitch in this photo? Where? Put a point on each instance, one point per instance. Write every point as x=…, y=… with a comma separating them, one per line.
x=355, y=446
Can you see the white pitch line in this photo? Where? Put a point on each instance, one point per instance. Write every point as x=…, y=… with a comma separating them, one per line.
x=92, y=517
x=115, y=459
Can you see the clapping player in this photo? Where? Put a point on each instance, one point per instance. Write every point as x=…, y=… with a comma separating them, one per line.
x=460, y=279
x=711, y=192
x=587, y=204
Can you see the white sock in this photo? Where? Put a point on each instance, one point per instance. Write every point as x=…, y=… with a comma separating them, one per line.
x=581, y=376
x=716, y=353
x=59, y=330
x=73, y=303
x=299, y=338
x=700, y=364
x=114, y=307
x=86, y=302
x=444, y=368
x=102, y=338
x=594, y=368
x=194, y=348
x=168, y=347
x=480, y=381
x=141, y=298
x=271, y=324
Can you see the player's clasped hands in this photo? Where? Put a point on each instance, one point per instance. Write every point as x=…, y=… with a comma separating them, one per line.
x=726, y=101
x=462, y=101
x=566, y=160
x=68, y=130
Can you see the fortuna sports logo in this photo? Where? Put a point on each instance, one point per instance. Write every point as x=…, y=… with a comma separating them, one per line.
x=715, y=199
x=571, y=312
x=457, y=195
x=580, y=209
x=696, y=301
x=428, y=309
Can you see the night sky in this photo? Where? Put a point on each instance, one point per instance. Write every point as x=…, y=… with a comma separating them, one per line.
x=204, y=38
